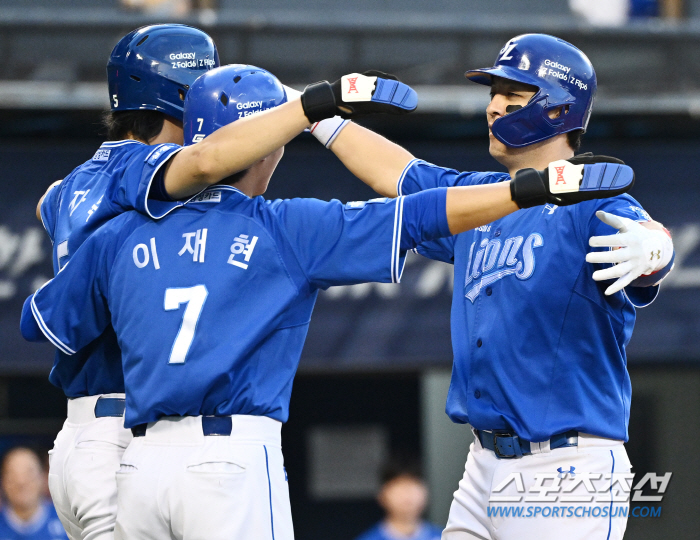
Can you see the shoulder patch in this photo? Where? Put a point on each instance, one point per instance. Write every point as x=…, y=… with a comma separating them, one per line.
x=154, y=156
x=102, y=154
x=641, y=213
x=357, y=205
x=207, y=197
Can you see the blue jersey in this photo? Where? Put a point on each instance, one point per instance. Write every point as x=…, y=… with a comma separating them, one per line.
x=115, y=180
x=211, y=305
x=425, y=531
x=45, y=525
x=538, y=347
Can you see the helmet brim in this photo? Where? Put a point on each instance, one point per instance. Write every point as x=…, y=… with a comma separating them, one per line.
x=485, y=76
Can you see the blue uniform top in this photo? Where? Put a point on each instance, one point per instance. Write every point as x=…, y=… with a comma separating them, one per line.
x=115, y=180
x=426, y=531
x=45, y=525
x=538, y=347
x=212, y=303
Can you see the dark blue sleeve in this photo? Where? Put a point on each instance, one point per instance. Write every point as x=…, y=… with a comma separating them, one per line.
x=28, y=325
x=49, y=210
x=71, y=310
x=338, y=244
x=141, y=172
x=420, y=175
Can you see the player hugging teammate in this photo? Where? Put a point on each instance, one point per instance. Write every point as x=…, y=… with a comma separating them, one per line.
x=205, y=399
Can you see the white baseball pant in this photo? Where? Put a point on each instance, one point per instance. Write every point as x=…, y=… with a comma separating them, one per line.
x=82, y=470
x=176, y=483
x=473, y=501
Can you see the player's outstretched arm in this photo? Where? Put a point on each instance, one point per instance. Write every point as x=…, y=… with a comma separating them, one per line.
x=375, y=160
x=239, y=145
x=233, y=148
x=468, y=207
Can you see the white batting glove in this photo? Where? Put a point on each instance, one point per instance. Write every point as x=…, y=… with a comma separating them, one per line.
x=640, y=252
x=327, y=130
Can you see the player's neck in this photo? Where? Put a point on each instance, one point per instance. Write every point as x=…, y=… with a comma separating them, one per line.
x=171, y=133
x=537, y=156
x=26, y=513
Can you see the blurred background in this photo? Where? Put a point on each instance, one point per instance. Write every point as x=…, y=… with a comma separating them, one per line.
x=376, y=366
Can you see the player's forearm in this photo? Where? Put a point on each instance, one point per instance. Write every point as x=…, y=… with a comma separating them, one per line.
x=233, y=148
x=440, y=212
x=473, y=206
x=375, y=160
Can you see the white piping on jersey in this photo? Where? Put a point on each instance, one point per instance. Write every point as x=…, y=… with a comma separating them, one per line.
x=150, y=181
x=399, y=184
x=396, y=269
x=48, y=333
x=112, y=144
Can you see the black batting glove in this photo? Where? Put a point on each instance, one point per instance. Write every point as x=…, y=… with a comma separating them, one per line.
x=355, y=94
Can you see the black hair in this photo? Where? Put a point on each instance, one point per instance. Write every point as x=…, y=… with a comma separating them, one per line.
x=143, y=125
x=401, y=467
x=574, y=139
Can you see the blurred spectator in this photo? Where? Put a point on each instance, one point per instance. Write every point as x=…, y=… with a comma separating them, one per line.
x=26, y=514
x=170, y=8
x=618, y=12
x=403, y=496
x=602, y=12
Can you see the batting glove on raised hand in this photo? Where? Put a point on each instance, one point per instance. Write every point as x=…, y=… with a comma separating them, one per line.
x=640, y=251
x=356, y=95
x=564, y=183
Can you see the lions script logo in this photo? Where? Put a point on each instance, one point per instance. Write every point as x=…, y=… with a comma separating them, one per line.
x=353, y=85
x=494, y=260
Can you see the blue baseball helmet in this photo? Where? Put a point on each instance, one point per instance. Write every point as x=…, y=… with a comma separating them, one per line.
x=565, y=79
x=224, y=95
x=153, y=67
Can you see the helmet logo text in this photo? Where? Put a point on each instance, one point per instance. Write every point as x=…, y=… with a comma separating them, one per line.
x=507, y=49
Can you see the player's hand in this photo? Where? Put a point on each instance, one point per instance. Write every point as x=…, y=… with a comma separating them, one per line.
x=564, y=183
x=356, y=95
x=636, y=251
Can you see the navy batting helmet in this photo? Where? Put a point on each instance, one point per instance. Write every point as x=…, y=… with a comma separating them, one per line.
x=565, y=79
x=153, y=67
x=224, y=95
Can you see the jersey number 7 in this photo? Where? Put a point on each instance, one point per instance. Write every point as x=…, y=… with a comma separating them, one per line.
x=194, y=297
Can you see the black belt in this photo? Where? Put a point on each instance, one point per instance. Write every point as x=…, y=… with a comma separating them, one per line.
x=508, y=445
x=211, y=425
x=109, y=406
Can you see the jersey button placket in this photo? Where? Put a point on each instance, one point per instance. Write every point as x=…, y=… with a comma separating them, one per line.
x=477, y=394
x=479, y=343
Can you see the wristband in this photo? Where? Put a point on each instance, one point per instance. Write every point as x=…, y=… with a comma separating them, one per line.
x=318, y=101
x=327, y=130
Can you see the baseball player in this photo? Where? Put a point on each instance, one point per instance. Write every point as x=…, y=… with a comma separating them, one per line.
x=149, y=72
x=142, y=167
x=211, y=306
x=539, y=336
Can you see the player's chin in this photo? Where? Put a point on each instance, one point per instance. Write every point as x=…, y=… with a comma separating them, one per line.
x=496, y=147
